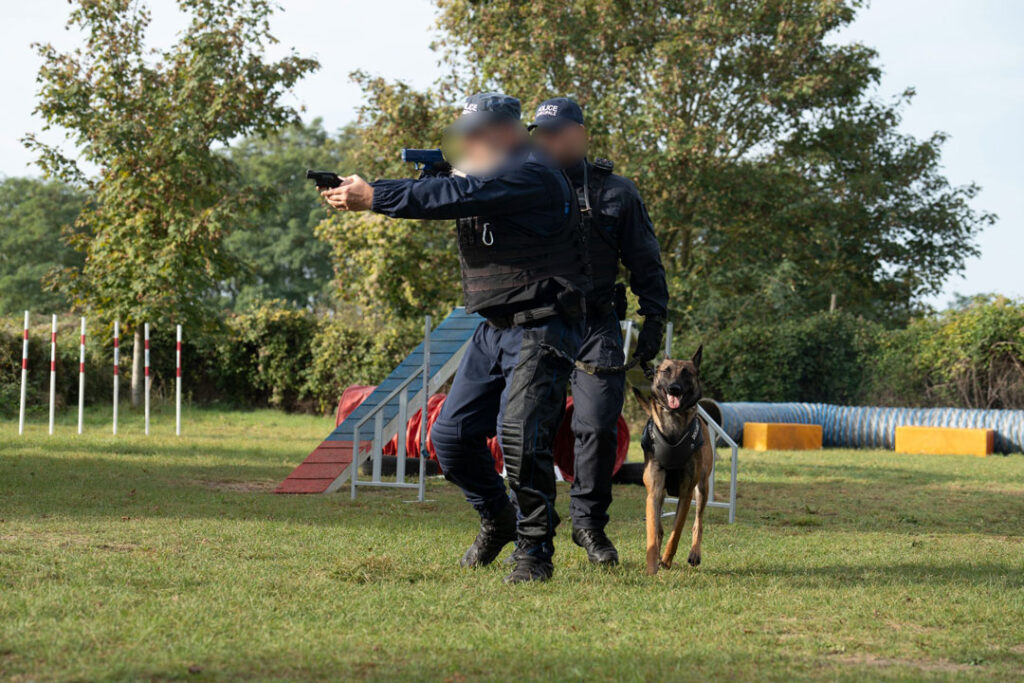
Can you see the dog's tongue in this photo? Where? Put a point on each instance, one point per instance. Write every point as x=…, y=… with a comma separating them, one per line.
x=673, y=402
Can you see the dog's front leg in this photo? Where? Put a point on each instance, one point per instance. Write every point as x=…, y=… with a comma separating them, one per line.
x=654, y=480
x=698, y=521
x=682, y=510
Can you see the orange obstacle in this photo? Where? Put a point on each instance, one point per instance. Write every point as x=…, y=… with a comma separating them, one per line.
x=945, y=441
x=781, y=436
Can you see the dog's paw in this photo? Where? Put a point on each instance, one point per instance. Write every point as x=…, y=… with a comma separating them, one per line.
x=665, y=564
x=694, y=558
x=651, y=570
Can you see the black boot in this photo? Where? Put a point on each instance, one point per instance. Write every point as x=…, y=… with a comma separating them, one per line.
x=599, y=548
x=495, y=534
x=529, y=568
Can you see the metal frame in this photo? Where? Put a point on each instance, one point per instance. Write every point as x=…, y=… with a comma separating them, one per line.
x=377, y=444
x=720, y=434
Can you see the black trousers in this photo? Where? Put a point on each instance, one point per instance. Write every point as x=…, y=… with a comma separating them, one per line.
x=508, y=384
x=597, y=403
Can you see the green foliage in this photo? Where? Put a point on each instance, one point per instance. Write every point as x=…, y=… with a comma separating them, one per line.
x=394, y=269
x=273, y=246
x=976, y=355
x=151, y=122
x=34, y=217
x=820, y=358
x=773, y=176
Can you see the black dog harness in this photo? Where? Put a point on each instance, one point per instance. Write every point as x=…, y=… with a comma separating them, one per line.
x=672, y=456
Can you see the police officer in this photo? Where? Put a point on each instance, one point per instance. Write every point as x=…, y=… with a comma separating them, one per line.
x=618, y=230
x=524, y=269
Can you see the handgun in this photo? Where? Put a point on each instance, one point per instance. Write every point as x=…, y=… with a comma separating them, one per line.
x=428, y=162
x=324, y=178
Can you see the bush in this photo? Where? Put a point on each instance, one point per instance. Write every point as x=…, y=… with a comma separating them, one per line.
x=820, y=358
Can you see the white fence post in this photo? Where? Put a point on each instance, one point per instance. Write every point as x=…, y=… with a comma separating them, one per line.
x=53, y=369
x=81, y=377
x=177, y=386
x=146, y=334
x=24, y=377
x=117, y=364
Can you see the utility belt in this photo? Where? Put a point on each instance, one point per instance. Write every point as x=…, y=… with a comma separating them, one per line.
x=570, y=305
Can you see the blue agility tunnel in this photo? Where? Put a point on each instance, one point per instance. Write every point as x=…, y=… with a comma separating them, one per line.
x=871, y=427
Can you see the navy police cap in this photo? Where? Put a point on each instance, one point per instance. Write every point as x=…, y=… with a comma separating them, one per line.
x=485, y=108
x=557, y=112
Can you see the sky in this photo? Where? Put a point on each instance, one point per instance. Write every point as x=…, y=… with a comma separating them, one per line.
x=965, y=58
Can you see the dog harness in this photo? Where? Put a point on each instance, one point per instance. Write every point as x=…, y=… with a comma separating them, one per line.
x=672, y=456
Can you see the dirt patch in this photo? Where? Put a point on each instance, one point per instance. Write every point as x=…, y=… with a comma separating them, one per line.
x=237, y=486
x=937, y=665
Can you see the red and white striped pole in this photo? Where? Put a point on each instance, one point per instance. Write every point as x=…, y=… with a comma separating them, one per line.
x=81, y=377
x=53, y=369
x=177, y=386
x=24, y=377
x=117, y=363
x=146, y=331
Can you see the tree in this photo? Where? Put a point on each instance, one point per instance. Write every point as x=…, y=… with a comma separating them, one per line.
x=773, y=175
x=394, y=270
x=34, y=216
x=151, y=122
x=278, y=254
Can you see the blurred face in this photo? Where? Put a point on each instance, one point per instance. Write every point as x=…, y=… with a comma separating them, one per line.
x=484, y=149
x=566, y=145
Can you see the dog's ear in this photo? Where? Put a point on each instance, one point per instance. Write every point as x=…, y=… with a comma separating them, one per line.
x=644, y=401
x=697, y=357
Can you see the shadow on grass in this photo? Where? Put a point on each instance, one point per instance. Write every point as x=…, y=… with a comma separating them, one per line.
x=875, y=499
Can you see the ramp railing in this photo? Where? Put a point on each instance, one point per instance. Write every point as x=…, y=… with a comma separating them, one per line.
x=377, y=443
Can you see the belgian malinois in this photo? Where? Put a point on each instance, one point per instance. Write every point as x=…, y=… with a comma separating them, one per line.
x=678, y=456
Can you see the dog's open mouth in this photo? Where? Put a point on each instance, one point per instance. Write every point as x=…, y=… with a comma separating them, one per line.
x=673, y=402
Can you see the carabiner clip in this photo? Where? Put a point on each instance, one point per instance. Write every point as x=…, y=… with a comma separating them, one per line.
x=487, y=237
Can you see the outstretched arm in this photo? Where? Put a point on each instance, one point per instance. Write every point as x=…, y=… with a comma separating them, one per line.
x=444, y=197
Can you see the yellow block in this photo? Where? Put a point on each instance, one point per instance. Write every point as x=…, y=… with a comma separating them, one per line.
x=945, y=441
x=781, y=436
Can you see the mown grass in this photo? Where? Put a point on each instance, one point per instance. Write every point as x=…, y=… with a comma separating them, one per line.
x=165, y=558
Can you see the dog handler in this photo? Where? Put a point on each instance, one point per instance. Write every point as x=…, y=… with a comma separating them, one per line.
x=524, y=269
x=618, y=230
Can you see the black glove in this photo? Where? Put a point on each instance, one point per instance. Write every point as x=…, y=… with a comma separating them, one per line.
x=648, y=342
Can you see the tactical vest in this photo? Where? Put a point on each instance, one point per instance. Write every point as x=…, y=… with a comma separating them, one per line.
x=500, y=260
x=673, y=456
x=602, y=243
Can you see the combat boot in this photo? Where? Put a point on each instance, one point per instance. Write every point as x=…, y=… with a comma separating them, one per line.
x=495, y=534
x=530, y=568
x=599, y=547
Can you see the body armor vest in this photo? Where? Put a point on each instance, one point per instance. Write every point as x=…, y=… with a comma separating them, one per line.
x=500, y=259
x=673, y=456
x=602, y=243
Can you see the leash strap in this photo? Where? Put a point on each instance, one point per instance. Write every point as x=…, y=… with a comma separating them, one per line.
x=595, y=369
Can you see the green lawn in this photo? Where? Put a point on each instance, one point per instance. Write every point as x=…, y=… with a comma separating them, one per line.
x=165, y=558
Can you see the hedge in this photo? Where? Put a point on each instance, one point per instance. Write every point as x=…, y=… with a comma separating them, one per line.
x=274, y=355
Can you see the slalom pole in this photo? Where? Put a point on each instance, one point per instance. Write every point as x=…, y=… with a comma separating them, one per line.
x=53, y=369
x=24, y=377
x=146, y=328
x=177, y=386
x=117, y=363
x=81, y=377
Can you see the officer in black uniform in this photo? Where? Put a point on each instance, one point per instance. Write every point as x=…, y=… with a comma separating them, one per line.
x=524, y=269
x=618, y=229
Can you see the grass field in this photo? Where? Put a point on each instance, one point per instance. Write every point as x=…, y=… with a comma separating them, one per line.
x=163, y=558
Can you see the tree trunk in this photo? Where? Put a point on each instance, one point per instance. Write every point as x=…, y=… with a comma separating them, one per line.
x=137, y=371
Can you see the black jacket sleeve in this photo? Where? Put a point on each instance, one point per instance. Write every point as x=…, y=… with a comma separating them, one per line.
x=641, y=254
x=520, y=189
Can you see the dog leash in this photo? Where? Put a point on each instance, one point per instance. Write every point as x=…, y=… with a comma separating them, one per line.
x=595, y=369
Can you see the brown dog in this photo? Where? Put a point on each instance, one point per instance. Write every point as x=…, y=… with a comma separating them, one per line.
x=678, y=450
